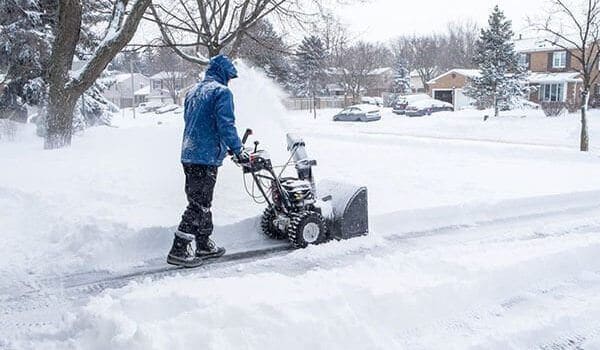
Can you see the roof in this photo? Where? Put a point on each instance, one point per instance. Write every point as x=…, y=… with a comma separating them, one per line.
x=541, y=44
x=143, y=91
x=168, y=75
x=120, y=77
x=545, y=78
x=334, y=87
x=469, y=73
x=380, y=70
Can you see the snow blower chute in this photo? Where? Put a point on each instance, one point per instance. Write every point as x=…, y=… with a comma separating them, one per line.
x=298, y=209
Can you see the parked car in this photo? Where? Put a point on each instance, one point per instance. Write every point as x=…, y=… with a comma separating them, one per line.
x=167, y=108
x=402, y=102
x=426, y=107
x=146, y=107
x=358, y=113
x=378, y=101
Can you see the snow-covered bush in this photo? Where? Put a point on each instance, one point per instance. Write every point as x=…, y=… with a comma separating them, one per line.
x=554, y=109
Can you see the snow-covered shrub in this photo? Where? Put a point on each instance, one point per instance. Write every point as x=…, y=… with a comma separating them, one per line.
x=554, y=109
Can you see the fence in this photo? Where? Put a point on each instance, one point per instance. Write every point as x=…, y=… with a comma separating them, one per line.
x=319, y=103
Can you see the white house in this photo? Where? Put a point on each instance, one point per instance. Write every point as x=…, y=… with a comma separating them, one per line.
x=121, y=88
x=164, y=85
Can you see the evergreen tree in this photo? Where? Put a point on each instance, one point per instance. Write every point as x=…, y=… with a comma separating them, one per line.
x=25, y=42
x=401, y=82
x=26, y=36
x=309, y=68
x=502, y=80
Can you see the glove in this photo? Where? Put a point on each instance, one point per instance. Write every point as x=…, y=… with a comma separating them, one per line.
x=242, y=157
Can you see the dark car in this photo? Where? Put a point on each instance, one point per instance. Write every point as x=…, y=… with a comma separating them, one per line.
x=358, y=113
x=426, y=107
x=399, y=107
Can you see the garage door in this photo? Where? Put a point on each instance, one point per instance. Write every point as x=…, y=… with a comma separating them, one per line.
x=444, y=95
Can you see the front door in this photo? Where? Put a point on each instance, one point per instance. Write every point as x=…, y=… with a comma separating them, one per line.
x=444, y=95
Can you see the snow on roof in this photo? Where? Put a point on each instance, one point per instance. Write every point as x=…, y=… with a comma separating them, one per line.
x=544, y=78
x=380, y=70
x=120, y=77
x=145, y=91
x=470, y=73
x=168, y=75
x=540, y=44
x=334, y=87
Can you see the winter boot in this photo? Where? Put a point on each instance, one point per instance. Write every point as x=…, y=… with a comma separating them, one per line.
x=207, y=249
x=180, y=253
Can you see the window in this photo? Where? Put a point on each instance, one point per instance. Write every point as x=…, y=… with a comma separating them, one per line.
x=559, y=59
x=523, y=60
x=156, y=84
x=551, y=92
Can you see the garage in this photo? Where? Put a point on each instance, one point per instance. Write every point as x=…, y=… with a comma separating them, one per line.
x=449, y=86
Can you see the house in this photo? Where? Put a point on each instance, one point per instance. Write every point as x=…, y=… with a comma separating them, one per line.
x=552, y=76
x=170, y=87
x=448, y=87
x=552, y=71
x=379, y=81
x=121, y=88
x=416, y=83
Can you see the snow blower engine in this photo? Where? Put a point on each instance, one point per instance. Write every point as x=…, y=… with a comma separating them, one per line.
x=296, y=210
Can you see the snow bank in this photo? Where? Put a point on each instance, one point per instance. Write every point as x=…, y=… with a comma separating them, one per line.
x=470, y=291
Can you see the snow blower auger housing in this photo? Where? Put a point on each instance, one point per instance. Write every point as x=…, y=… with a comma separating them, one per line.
x=294, y=209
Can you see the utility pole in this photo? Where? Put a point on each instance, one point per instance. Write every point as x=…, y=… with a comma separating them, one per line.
x=132, y=87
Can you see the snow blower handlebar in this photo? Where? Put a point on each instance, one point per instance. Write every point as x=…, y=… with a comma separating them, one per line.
x=247, y=134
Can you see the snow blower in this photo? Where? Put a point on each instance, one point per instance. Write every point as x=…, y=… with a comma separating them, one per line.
x=297, y=209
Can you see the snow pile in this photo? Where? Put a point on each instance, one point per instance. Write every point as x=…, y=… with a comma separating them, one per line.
x=445, y=291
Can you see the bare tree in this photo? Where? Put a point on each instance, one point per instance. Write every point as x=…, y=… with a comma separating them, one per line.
x=422, y=53
x=64, y=89
x=209, y=27
x=461, y=39
x=575, y=27
x=357, y=62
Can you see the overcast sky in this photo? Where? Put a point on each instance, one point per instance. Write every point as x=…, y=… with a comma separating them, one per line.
x=380, y=20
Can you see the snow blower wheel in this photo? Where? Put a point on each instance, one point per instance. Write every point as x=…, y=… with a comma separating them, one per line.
x=306, y=228
x=268, y=227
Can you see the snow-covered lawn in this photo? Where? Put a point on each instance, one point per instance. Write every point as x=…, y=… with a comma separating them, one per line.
x=420, y=280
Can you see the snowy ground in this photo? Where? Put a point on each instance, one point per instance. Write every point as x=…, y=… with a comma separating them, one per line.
x=484, y=235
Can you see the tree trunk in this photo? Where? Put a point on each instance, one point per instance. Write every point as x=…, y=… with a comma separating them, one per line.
x=496, y=109
x=584, y=144
x=59, y=120
x=314, y=98
x=61, y=101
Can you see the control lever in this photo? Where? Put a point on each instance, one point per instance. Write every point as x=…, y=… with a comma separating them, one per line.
x=256, y=146
x=246, y=135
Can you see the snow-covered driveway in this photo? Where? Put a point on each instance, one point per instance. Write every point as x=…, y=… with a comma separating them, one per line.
x=520, y=282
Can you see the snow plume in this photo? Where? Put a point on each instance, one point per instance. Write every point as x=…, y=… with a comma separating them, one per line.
x=258, y=107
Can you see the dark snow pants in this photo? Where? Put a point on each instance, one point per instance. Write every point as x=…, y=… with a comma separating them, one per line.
x=200, y=183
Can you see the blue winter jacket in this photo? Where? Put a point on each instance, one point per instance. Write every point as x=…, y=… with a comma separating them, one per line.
x=209, y=120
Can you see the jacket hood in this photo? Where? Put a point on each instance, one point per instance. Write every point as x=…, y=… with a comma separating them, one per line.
x=221, y=69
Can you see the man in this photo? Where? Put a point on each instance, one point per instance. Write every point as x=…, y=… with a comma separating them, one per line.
x=209, y=133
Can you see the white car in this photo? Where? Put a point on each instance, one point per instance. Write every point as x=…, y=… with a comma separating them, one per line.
x=167, y=108
x=146, y=107
x=358, y=113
